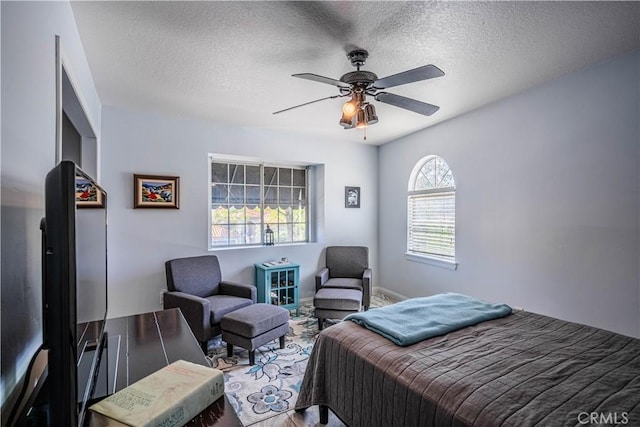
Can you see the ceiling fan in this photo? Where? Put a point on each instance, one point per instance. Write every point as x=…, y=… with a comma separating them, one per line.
x=358, y=112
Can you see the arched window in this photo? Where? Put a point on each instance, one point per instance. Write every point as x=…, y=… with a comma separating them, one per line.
x=431, y=210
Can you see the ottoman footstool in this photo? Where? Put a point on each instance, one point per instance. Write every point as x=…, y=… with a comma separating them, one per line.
x=253, y=326
x=335, y=303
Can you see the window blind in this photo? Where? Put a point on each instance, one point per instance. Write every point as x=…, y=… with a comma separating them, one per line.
x=432, y=224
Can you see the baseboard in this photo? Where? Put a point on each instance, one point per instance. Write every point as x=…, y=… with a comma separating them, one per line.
x=377, y=290
x=389, y=293
x=306, y=300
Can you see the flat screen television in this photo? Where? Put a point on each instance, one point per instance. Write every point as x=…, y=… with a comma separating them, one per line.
x=74, y=290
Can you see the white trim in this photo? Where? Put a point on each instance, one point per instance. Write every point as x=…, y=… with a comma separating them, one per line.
x=256, y=246
x=433, y=191
x=210, y=192
x=437, y=262
x=305, y=300
x=389, y=293
x=65, y=64
x=416, y=170
x=70, y=100
x=376, y=290
x=257, y=161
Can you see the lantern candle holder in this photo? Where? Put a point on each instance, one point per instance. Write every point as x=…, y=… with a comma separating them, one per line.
x=268, y=236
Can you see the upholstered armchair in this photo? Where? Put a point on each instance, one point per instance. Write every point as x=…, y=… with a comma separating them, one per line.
x=343, y=286
x=195, y=286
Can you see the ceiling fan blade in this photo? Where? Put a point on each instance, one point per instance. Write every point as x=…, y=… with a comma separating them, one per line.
x=407, y=103
x=322, y=79
x=410, y=76
x=307, y=103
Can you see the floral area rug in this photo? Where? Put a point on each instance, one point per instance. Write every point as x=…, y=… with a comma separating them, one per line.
x=271, y=386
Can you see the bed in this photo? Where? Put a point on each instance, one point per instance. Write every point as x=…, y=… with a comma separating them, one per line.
x=524, y=369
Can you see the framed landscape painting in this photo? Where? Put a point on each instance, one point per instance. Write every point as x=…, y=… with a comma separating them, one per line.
x=155, y=191
x=87, y=195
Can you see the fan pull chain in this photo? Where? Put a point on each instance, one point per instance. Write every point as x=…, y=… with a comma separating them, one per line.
x=364, y=131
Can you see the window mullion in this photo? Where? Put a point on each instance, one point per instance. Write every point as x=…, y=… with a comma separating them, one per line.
x=228, y=204
x=244, y=205
x=262, y=226
x=307, y=196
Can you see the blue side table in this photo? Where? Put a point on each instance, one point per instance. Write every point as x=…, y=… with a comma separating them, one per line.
x=278, y=285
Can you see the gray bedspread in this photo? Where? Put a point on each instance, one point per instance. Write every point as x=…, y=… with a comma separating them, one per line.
x=522, y=370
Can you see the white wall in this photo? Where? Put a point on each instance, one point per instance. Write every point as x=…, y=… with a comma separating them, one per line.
x=141, y=240
x=28, y=153
x=547, y=205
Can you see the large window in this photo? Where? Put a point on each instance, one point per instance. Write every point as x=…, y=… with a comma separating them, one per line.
x=431, y=210
x=248, y=197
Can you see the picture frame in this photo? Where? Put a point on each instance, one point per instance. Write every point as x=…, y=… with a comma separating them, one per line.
x=352, y=197
x=87, y=194
x=156, y=191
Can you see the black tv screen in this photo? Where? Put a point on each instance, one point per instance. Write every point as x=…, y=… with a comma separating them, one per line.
x=74, y=290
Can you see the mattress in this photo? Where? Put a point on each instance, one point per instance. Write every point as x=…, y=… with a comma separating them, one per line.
x=524, y=369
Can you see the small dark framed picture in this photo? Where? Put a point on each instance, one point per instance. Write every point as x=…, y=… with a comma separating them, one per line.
x=156, y=191
x=351, y=197
x=87, y=194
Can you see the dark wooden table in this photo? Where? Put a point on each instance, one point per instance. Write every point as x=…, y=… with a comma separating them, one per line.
x=141, y=344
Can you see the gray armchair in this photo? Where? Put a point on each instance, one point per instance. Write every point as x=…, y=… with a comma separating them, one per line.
x=195, y=286
x=344, y=285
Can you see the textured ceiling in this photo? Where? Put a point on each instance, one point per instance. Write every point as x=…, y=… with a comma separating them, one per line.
x=232, y=61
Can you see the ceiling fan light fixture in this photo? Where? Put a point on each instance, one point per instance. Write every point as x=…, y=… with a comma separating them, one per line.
x=370, y=114
x=350, y=107
x=347, y=121
x=361, y=119
x=357, y=112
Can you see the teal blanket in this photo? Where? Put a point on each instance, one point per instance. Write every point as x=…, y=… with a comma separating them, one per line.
x=417, y=319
